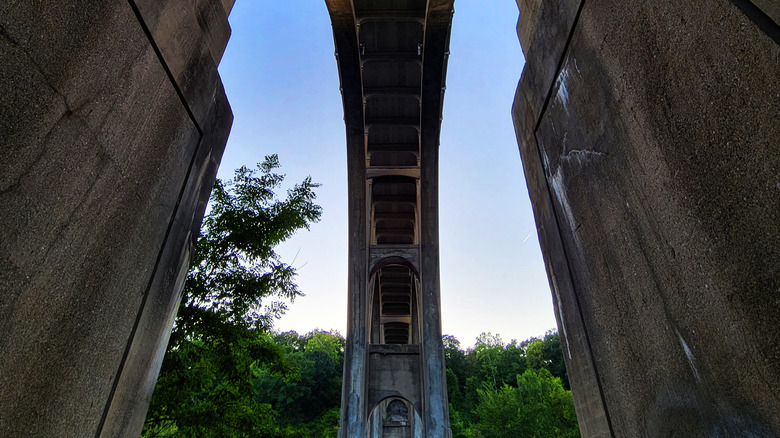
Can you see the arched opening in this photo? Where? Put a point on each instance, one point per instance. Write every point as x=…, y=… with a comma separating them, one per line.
x=394, y=417
x=394, y=317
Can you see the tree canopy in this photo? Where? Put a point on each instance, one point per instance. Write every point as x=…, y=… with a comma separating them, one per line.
x=236, y=286
x=513, y=389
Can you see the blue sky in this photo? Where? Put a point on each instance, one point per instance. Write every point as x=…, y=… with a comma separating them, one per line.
x=281, y=78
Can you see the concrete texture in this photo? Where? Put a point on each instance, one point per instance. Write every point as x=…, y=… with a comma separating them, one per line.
x=395, y=372
x=770, y=8
x=648, y=133
x=110, y=143
x=651, y=157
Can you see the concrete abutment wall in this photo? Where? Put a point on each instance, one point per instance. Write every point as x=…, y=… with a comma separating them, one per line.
x=112, y=123
x=649, y=135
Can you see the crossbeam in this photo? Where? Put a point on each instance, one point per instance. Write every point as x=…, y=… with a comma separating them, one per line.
x=395, y=199
x=390, y=57
x=394, y=231
x=390, y=15
x=408, y=122
x=394, y=216
x=375, y=172
x=394, y=147
x=392, y=91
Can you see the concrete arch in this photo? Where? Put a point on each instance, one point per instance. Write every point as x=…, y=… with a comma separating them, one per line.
x=393, y=260
x=383, y=424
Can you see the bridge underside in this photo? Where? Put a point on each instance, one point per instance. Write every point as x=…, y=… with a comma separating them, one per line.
x=392, y=58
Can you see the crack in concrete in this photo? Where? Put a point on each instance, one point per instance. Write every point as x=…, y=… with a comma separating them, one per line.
x=15, y=184
x=68, y=113
x=6, y=35
x=64, y=115
x=47, y=80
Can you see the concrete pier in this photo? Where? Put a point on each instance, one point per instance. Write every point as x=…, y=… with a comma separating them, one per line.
x=112, y=123
x=392, y=62
x=649, y=134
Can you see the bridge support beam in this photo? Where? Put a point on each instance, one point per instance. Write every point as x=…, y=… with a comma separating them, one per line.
x=112, y=124
x=649, y=138
x=355, y=409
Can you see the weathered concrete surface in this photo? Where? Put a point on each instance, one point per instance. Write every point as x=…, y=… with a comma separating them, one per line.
x=110, y=142
x=651, y=155
x=394, y=372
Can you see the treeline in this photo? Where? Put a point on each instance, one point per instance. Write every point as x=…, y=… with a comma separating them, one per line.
x=308, y=401
x=281, y=386
x=501, y=390
x=288, y=385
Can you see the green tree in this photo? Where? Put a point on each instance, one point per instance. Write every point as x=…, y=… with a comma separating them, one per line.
x=547, y=353
x=487, y=353
x=456, y=359
x=552, y=354
x=307, y=403
x=291, y=341
x=330, y=343
x=234, y=290
x=499, y=412
x=493, y=386
x=538, y=408
x=534, y=352
x=453, y=388
x=511, y=363
x=234, y=265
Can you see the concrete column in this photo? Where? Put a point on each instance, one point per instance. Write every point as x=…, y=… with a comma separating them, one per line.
x=112, y=126
x=543, y=29
x=354, y=413
x=649, y=141
x=435, y=407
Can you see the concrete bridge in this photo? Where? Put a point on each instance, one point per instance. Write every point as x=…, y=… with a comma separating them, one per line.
x=392, y=60
x=649, y=135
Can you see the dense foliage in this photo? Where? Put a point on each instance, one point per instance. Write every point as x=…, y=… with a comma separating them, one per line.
x=308, y=404
x=509, y=390
x=301, y=400
x=232, y=293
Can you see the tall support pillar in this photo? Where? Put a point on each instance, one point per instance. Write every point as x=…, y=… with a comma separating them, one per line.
x=354, y=412
x=113, y=120
x=648, y=133
x=435, y=407
x=438, y=22
x=392, y=64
